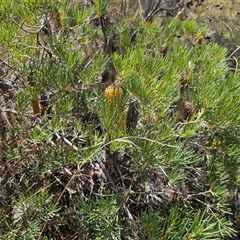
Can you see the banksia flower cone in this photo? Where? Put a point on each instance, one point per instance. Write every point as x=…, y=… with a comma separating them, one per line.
x=200, y=40
x=113, y=92
x=115, y=105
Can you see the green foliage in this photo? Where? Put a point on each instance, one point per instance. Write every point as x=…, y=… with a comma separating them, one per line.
x=99, y=217
x=182, y=224
x=100, y=6
x=76, y=169
x=29, y=212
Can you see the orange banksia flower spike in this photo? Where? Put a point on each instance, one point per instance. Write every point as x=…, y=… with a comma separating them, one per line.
x=115, y=104
x=112, y=92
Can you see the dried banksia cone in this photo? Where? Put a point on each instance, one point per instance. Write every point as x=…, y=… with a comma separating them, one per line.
x=107, y=76
x=45, y=103
x=36, y=105
x=186, y=110
x=132, y=115
x=112, y=92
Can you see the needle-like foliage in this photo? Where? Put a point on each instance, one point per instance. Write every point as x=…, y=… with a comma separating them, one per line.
x=115, y=124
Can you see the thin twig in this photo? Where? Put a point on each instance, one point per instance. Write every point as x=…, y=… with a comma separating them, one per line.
x=22, y=28
x=107, y=175
x=8, y=65
x=75, y=148
x=50, y=53
x=95, y=54
x=238, y=47
x=109, y=178
x=31, y=116
x=70, y=191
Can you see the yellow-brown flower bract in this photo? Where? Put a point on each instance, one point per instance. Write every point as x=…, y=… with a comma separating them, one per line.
x=113, y=91
x=216, y=144
x=36, y=105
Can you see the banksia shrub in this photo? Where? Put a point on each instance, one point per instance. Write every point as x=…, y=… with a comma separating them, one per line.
x=160, y=160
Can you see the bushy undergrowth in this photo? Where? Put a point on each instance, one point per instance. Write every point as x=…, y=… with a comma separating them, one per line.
x=113, y=126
